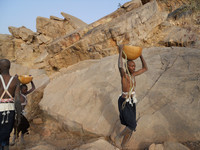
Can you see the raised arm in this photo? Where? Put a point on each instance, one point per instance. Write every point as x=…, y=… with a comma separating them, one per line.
x=144, y=67
x=32, y=88
x=120, y=62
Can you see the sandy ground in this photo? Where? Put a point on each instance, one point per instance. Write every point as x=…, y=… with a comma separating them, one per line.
x=62, y=141
x=58, y=141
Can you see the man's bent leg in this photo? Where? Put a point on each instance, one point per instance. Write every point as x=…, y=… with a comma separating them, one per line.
x=120, y=135
x=118, y=138
x=13, y=140
x=127, y=135
x=22, y=138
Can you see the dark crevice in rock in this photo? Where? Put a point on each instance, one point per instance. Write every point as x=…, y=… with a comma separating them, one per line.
x=182, y=11
x=145, y=1
x=177, y=44
x=55, y=68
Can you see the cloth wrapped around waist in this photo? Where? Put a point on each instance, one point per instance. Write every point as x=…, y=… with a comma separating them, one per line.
x=7, y=106
x=130, y=98
x=5, y=110
x=7, y=100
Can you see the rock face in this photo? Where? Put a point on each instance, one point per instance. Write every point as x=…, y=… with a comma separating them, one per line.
x=59, y=43
x=56, y=27
x=168, y=146
x=171, y=105
x=168, y=108
x=24, y=47
x=6, y=46
x=100, y=144
x=83, y=97
x=75, y=22
x=43, y=146
x=25, y=34
x=99, y=40
x=182, y=38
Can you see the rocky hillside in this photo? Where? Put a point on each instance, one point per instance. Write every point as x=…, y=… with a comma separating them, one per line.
x=74, y=107
x=59, y=43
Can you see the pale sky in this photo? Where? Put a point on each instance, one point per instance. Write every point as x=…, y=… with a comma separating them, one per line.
x=19, y=13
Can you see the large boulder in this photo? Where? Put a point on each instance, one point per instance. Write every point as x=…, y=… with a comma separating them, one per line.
x=56, y=27
x=24, y=47
x=99, y=39
x=99, y=144
x=169, y=109
x=75, y=22
x=43, y=146
x=22, y=32
x=168, y=146
x=25, y=53
x=177, y=36
x=75, y=90
x=84, y=97
x=21, y=52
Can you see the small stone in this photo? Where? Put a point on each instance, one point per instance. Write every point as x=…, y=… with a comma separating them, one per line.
x=37, y=121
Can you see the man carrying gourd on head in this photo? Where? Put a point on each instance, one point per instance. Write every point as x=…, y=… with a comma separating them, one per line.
x=24, y=125
x=127, y=100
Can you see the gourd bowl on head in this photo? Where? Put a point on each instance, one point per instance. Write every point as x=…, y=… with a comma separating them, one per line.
x=25, y=79
x=132, y=52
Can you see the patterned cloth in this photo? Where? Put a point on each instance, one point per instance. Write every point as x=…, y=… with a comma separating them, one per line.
x=7, y=100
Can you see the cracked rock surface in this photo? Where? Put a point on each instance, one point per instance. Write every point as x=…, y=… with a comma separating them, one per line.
x=168, y=94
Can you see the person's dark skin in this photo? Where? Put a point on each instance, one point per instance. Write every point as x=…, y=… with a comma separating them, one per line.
x=14, y=88
x=127, y=84
x=125, y=80
x=25, y=91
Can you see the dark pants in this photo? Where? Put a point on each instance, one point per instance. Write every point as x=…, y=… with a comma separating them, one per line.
x=127, y=114
x=6, y=128
x=23, y=126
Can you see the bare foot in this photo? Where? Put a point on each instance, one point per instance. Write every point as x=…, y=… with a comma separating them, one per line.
x=13, y=141
x=22, y=140
x=118, y=141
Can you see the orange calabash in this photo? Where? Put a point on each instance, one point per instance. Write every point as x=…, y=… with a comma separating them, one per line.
x=25, y=79
x=132, y=52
